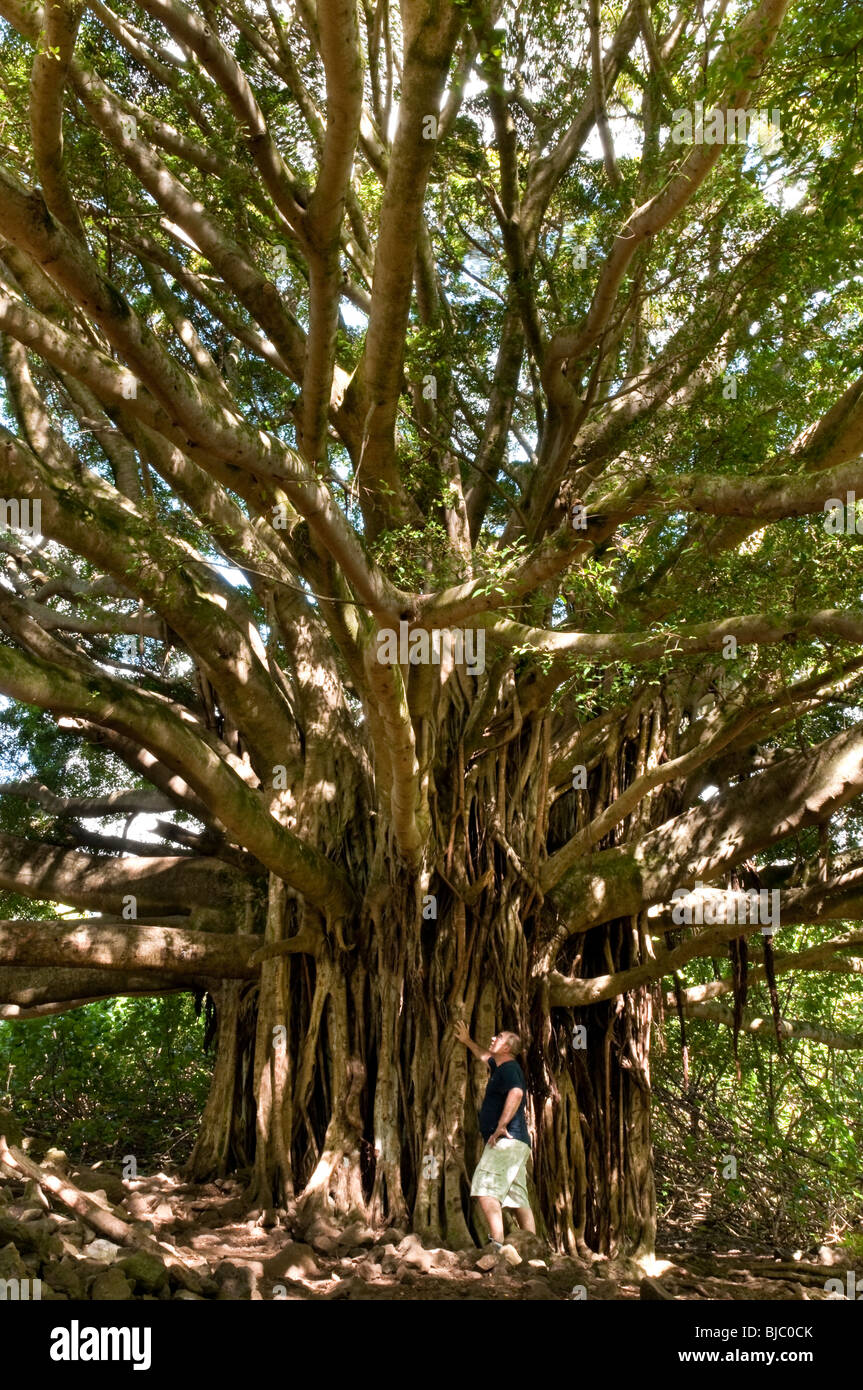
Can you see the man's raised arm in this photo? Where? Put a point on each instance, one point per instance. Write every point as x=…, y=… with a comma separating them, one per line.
x=463, y=1036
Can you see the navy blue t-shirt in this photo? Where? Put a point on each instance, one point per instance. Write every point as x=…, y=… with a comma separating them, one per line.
x=502, y=1080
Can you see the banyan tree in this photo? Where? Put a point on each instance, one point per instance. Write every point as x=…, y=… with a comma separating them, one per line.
x=429, y=571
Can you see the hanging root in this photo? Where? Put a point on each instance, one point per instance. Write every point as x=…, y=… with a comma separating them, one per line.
x=684, y=1045
x=738, y=950
x=770, y=974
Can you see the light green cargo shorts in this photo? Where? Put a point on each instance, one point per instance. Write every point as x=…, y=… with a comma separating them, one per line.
x=502, y=1172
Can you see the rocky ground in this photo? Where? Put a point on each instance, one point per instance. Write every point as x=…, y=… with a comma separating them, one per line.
x=235, y=1254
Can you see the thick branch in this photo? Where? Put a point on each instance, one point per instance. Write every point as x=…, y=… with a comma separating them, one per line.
x=47, y=89
x=804, y=789
x=136, y=947
x=242, y=810
x=112, y=804
x=431, y=31
x=25, y=993
x=171, y=883
x=751, y=1022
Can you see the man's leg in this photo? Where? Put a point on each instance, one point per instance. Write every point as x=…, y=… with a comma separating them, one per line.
x=517, y=1200
x=492, y=1213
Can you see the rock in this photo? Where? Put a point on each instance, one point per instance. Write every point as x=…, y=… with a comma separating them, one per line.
x=294, y=1261
x=467, y=1258
x=391, y=1236
x=30, y=1214
x=137, y=1204
x=57, y=1159
x=144, y=1228
x=102, y=1187
x=90, y=1269
x=539, y=1289
x=607, y=1290
x=415, y=1257
x=652, y=1289
x=208, y=1286
x=444, y=1259
x=357, y=1234
x=537, y=1264
x=37, y=1236
x=323, y=1235
x=188, y=1297
x=235, y=1282
x=163, y=1212
x=568, y=1265
x=528, y=1245
x=101, y=1249
x=11, y=1264
x=66, y=1277
x=111, y=1286
x=409, y=1243
x=49, y=1295
x=367, y=1271
x=486, y=1263
x=147, y=1272
x=825, y=1255
x=71, y=1244
x=35, y=1196
x=511, y=1255
x=64, y=1225
x=326, y=1245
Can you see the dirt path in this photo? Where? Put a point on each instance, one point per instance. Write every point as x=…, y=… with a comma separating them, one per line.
x=268, y=1255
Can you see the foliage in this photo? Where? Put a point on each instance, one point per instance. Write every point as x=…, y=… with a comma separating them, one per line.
x=118, y=1077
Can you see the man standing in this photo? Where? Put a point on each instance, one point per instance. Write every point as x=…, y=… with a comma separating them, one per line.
x=499, y=1179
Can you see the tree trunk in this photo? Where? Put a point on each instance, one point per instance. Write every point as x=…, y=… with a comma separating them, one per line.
x=363, y=1102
